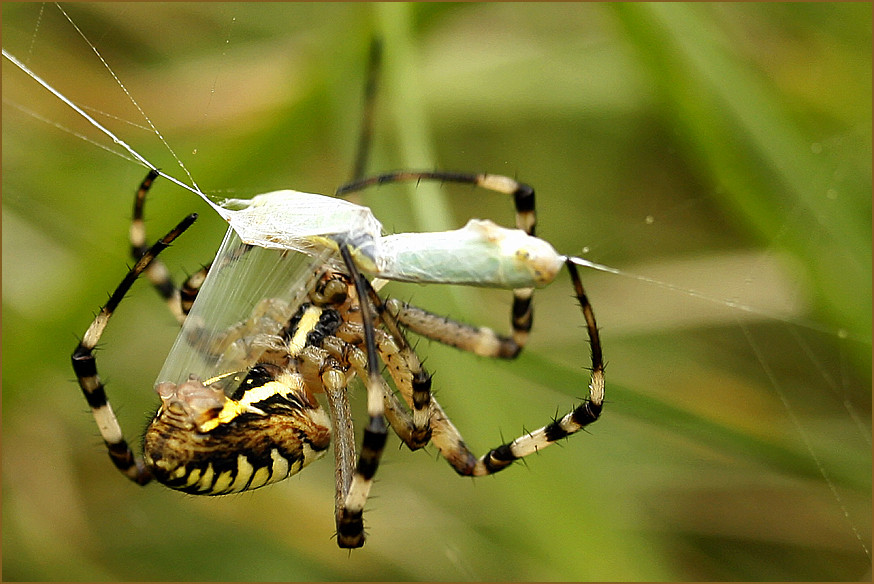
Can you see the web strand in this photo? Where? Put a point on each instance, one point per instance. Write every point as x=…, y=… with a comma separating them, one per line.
x=796, y=422
x=725, y=302
x=137, y=157
x=130, y=97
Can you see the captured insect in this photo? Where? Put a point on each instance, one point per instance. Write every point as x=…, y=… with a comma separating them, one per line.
x=290, y=310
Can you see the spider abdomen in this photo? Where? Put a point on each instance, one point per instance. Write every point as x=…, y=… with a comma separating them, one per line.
x=214, y=445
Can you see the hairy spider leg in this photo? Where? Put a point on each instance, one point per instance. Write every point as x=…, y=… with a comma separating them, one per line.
x=572, y=422
x=350, y=528
x=85, y=365
x=179, y=300
x=448, y=439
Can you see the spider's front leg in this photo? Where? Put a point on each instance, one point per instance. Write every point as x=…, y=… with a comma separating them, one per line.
x=85, y=365
x=350, y=523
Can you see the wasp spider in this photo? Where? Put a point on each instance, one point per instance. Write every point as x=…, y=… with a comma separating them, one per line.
x=258, y=420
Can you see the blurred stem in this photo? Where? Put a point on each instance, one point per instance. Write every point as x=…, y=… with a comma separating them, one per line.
x=406, y=102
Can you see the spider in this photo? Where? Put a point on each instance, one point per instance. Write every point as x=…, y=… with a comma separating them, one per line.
x=258, y=421
x=239, y=406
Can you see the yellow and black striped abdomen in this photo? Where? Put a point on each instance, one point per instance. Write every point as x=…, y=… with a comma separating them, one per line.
x=202, y=442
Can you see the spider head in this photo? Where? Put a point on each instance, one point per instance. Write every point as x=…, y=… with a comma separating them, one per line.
x=190, y=404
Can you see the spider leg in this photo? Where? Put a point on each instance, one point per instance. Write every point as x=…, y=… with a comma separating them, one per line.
x=179, y=300
x=451, y=445
x=499, y=458
x=414, y=383
x=85, y=365
x=406, y=370
x=406, y=425
x=481, y=341
x=407, y=421
x=350, y=527
x=397, y=416
x=332, y=376
x=522, y=312
x=344, y=437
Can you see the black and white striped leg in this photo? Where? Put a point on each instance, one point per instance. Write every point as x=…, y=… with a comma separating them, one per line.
x=451, y=445
x=85, y=365
x=522, y=313
x=572, y=422
x=179, y=300
x=350, y=527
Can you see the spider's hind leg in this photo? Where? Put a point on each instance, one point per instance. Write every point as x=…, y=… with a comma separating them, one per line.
x=85, y=365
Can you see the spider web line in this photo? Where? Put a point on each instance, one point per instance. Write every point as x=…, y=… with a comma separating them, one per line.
x=725, y=302
x=64, y=128
x=796, y=422
x=136, y=155
x=130, y=97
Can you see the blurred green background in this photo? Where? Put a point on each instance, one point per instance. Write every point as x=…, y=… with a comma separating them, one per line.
x=719, y=148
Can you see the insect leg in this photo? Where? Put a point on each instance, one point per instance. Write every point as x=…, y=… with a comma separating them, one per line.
x=85, y=365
